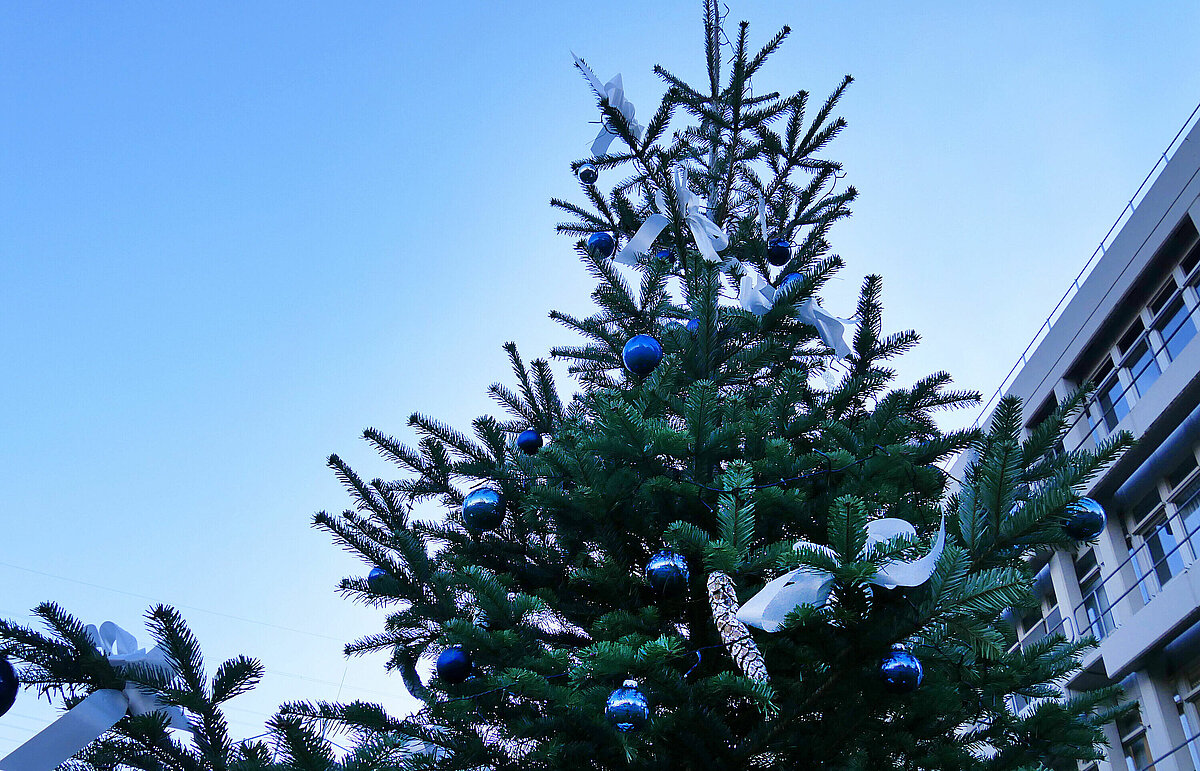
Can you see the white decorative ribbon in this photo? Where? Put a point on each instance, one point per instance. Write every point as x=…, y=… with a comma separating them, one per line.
x=709, y=237
x=762, y=213
x=758, y=297
x=831, y=329
x=808, y=585
x=614, y=92
x=100, y=711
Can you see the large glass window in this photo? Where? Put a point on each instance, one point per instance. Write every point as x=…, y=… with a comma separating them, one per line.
x=1113, y=407
x=1176, y=327
x=1133, y=743
x=1188, y=501
x=1143, y=367
x=1156, y=559
x=1096, y=616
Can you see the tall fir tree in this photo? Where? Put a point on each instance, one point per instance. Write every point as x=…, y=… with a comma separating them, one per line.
x=754, y=433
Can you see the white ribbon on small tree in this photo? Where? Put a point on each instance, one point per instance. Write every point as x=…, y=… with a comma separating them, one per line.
x=614, y=92
x=809, y=585
x=101, y=710
x=709, y=237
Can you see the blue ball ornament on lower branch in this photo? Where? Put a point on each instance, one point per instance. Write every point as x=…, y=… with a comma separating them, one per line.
x=641, y=354
x=381, y=582
x=667, y=573
x=602, y=244
x=483, y=509
x=1085, y=520
x=530, y=441
x=454, y=664
x=900, y=671
x=9, y=685
x=627, y=707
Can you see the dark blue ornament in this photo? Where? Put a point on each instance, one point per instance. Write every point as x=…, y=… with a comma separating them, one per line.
x=378, y=580
x=587, y=174
x=900, y=671
x=779, y=251
x=601, y=244
x=641, y=354
x=9, y=684
x=667, y=573
x=693, y=326
x=483, y=509
x=789, y=278
x=1085, y=520
x=454, y=665
x=665, y=254
x=627, y=708
x=530, y=441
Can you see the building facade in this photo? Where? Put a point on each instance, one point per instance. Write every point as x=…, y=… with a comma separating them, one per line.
x=1131, y=329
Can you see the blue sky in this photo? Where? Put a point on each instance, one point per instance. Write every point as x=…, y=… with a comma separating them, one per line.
x=234, y=235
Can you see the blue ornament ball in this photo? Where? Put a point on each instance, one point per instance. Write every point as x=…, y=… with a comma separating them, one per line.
x=789, y=278
x=9, y=684
x=693, y=326
x=378, y=580
x=665, y=254
x=454, y=665
x=779, y=252
x=587, y=173
x=667, y=573
x=900, y=671
x=483, y=509
x=627, y=708
x=1085, y=520
x=641, y=354
x=530, y=441
x=602, y=244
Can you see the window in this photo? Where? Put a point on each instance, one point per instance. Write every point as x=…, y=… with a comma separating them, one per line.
x=1156, y=558
x=1133, y=743
x=1187, y=501
x=1143, y=367
x=1097, y=616
x=1176, y=327
x=1111, y=399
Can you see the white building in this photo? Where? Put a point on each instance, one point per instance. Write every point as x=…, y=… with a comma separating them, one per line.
x=1131, y=328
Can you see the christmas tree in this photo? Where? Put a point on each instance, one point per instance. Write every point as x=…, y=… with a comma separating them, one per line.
x=738, y=549
x=727, y=464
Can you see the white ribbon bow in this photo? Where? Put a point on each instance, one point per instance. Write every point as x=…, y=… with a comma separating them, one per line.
x=808, y=585
x=709, y=237
x=100, y=711
x=758, y=297
x=614, y=92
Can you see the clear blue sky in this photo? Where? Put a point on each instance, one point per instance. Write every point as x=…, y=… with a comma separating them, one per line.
x=234, y=235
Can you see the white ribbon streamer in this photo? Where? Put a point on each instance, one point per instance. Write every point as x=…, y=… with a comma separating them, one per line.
x=709, y=237
x=762, y=213
x=101, y=710
x=830, y=328
x=758, y=297
x=614, y=92
x=808, y=585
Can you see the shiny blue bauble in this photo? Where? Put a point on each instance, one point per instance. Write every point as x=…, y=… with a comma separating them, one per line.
x=601, y=244
x=483, y=509
x=900, y=671
x=693, y=326
x=665, y=254
x=454, y=665
x=9, y=684
x=587, y=174
x=1085, y=520
x=627, y=708
x=530, y=441
x=379, y=581
x=667, y=573
x=779, y=251
x=789, y=278
x=641, y=354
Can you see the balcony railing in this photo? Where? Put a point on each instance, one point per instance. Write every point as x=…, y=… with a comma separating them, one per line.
x=1177, y=749
x=1152, y=575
